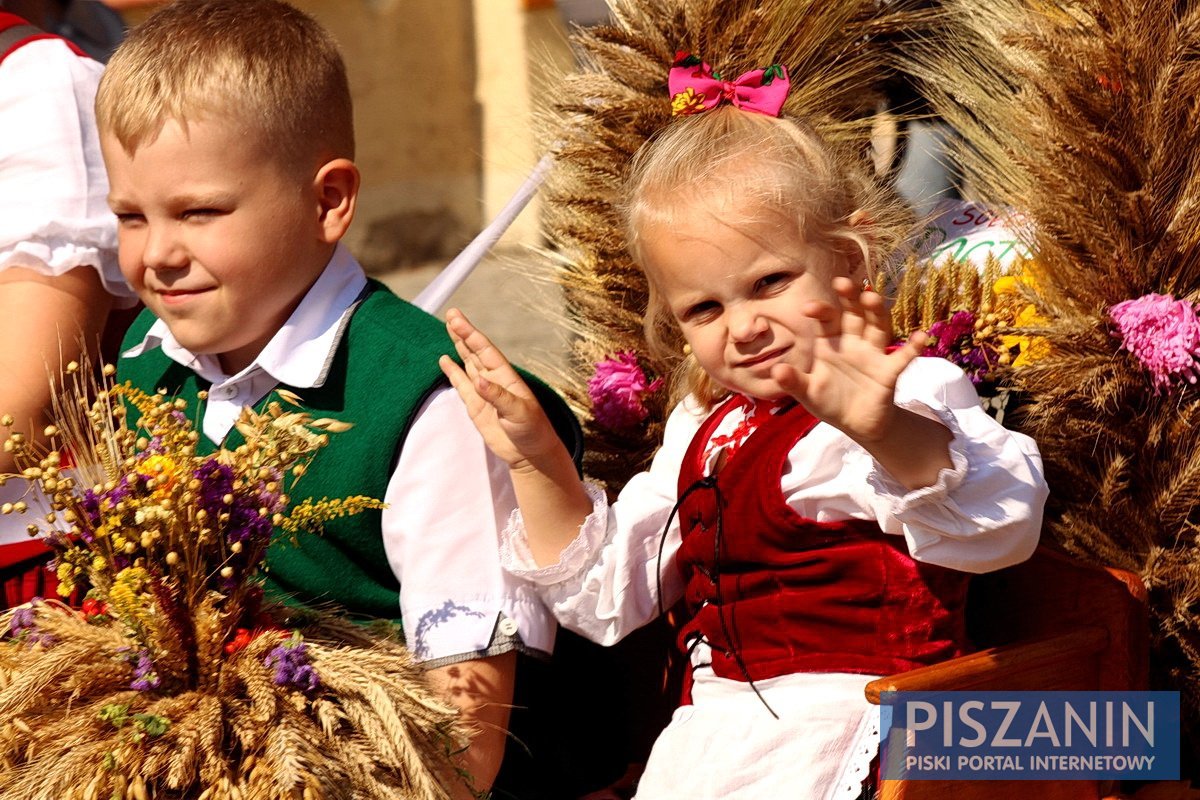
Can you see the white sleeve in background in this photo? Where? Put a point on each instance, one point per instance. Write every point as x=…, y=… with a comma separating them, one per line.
x=605, y=585
x=446, y=502
x=983, y=514
x=54, y=213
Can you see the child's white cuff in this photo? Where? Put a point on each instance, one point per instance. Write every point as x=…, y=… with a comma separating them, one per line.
x=898, y=497
x=517, y=560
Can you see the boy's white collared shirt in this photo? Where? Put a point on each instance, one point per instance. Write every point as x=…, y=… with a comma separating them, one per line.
x=447, y=498
x=298, y=355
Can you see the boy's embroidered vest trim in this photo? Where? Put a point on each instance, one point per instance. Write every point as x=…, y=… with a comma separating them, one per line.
x=384, y=367
x=791, y=594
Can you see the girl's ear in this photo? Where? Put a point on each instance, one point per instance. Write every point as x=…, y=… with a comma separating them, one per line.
x=336, y=185
x=856, y=254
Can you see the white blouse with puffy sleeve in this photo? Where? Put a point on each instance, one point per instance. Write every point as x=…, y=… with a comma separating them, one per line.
x=54, y=214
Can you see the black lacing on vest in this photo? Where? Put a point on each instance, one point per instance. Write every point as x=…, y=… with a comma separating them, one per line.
x=709, y=482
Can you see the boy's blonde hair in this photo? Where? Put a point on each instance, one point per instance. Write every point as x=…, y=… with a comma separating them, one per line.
x=775, y=169
x=262, y=65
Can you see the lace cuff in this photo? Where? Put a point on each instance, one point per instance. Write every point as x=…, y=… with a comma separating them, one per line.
x=947, y=479
x=517, y=560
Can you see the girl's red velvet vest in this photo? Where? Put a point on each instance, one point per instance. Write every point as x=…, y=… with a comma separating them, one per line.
x=781, y=593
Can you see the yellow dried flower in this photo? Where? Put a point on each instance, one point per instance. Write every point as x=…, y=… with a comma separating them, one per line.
x=127, y=595
x=1009, y=293
x=312, y=515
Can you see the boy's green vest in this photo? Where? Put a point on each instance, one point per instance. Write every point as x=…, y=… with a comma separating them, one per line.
x=382, y=370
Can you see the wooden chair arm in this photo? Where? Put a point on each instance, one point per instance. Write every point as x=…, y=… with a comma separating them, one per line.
x=1061, y=662
x=1053, y=593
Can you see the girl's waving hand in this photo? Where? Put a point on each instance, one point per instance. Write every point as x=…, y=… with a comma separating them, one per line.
x=500, y=403
x=845, y=372
x=549, y=492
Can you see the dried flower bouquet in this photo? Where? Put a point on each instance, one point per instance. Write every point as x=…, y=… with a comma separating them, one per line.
x=175, y=678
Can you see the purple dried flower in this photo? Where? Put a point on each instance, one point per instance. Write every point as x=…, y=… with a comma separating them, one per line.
x=617, y=388
x=1163, y=334
x=92, y=503
x=245, y=524
x=23, y=625
x=121, y=491
x=91, y=508
x=22, y=621
x=144, y=675
x=252, y=530
x=291, y=665
x=271, y=499
x=216, y=481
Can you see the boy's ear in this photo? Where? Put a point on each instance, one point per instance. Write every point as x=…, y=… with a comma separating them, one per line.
x=336, y=185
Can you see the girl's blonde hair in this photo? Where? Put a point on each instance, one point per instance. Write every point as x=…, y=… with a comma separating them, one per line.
x=260, y=66
x=773, y=168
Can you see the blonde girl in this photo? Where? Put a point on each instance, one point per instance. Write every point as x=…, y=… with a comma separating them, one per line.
x=819, y=496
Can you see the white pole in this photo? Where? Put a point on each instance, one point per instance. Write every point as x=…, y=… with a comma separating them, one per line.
x=445, y=283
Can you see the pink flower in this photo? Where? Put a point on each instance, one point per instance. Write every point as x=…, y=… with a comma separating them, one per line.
x=616, y=390
x=1163, y=334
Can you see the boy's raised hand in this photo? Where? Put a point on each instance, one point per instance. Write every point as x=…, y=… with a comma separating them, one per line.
x=844, y=373
x=500, y=403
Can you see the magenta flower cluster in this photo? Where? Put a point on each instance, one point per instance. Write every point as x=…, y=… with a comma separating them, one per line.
x=954, y=340
x=617, y=390
x=1163, y=334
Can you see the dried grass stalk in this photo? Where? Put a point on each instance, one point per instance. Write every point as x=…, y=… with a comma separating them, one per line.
x=373, y=730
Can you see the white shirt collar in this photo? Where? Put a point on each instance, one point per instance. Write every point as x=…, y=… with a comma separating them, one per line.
x=299, y=353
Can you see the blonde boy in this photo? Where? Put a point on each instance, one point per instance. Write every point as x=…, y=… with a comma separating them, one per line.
x=226, y=127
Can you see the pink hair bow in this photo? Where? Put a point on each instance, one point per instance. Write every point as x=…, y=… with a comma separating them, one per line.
x=695, y=87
